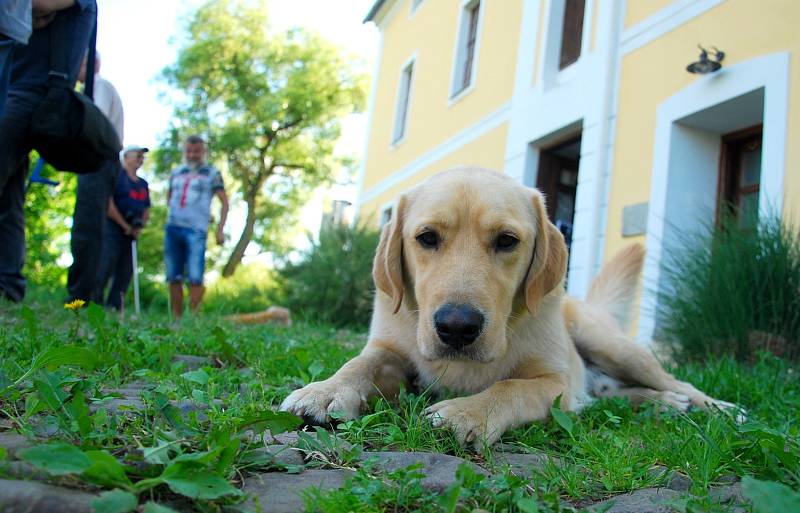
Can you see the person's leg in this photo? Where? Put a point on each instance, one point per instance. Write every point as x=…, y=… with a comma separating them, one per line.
x=108, y=261
x=12, y=235
x=196, y=262
x=88, y=225
x=6, y=53
x=175, y=259
x=122, y=274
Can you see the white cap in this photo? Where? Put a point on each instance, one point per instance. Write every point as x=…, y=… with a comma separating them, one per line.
x=134, y=147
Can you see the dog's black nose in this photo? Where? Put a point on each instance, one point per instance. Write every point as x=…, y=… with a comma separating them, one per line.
x=458, y=325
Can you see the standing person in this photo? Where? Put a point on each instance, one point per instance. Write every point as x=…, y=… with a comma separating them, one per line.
x=69, y=24
x=15, y=28
x=191, y=188
x=91, y=199
x=128, y=212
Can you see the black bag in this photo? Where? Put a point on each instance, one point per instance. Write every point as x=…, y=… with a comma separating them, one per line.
x=67, y=129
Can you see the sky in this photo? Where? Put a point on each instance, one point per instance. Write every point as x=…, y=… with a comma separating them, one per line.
x=138, y=38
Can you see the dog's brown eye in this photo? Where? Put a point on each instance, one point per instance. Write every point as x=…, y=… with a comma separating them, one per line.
x=428, y=240
x=505, y=242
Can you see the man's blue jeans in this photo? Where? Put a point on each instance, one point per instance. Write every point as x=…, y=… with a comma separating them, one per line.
x=185, y=250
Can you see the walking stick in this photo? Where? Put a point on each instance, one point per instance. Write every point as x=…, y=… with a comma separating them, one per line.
x=135, y=262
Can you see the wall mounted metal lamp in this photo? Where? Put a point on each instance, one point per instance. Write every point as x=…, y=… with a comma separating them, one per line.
x=707, y=64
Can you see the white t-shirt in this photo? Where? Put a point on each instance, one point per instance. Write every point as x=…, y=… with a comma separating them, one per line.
x=108, y=101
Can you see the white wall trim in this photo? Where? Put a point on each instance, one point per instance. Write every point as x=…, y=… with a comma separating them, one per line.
x=362, y=168
x=770, y=72
x=665, y=20
x=482, y=127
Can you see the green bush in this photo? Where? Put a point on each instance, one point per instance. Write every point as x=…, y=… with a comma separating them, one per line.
x=332, y=283
x=734, y=292
x=252, y=288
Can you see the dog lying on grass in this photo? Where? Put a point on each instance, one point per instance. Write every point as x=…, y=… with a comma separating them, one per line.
x=469, y=275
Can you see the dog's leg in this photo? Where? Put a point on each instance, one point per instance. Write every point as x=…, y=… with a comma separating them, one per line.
x=600, y=341
x=378, y=369
x=481, y=419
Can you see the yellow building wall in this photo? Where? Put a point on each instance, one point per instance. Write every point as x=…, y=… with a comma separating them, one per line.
x=486, y=151
x=744, y=30
x=639, y=10
x=431, y=34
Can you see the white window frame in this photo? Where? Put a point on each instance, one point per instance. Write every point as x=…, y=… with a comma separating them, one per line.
x=405, y=87
x=551, y=49
x=387, y=207
x=460, y=50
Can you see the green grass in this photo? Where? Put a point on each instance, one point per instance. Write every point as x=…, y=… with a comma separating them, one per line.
x=165, y=453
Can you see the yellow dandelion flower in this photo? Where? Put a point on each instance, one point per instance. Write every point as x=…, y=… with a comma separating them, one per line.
x=74, y=305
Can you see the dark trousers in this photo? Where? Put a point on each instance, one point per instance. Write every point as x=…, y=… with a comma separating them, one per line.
x=88, y=227
x=14, y=148
x=117, y=264
x=24, y=95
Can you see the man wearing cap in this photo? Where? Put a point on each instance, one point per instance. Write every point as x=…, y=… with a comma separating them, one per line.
x=128, y=212
x=91, y=198
x=191, y=188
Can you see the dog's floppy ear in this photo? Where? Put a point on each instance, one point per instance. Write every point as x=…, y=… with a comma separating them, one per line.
x=387, y=269
x=549, y=262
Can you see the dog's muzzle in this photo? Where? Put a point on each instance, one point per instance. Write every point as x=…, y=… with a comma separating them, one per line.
x=458, y=325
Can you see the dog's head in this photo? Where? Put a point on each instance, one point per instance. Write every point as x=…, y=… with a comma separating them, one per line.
x=469, y=251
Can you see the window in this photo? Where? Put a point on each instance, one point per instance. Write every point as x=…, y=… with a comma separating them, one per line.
x=386, y=216
x=740, y=176
x=571, y=32
x=403, y=96
x=467, y=47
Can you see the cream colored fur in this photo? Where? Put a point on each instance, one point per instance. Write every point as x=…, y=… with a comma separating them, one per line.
x=535, y=343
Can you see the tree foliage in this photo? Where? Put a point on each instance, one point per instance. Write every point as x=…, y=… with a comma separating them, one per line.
x=270, y=104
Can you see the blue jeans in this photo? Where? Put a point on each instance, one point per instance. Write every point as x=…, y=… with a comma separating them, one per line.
x=185, y=250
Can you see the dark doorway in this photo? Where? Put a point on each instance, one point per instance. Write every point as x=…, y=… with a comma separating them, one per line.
x=740, y=176
x=557, y=178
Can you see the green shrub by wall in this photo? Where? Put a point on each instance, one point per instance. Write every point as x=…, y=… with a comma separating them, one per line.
x=734, y=292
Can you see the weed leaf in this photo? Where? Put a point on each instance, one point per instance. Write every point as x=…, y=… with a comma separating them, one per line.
x=196, y=483
x=152, y=507
x=561, y=418
x=770, y=497
x=57, y=459
x=198, y=376
x=275, y=421
x=114, y=501
x=528, y=505
x=106, y=470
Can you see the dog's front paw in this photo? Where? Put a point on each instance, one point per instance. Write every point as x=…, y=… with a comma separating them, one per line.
x=468, y=419
x=675, y=400
x=315, y=401
x=739, y=414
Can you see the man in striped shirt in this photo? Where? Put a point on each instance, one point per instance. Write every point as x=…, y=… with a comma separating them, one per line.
x=191, y=188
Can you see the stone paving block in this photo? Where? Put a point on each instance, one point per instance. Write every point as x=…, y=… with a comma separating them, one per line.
x=13, y=443
x=281, y=454
x=191, y=362
x=439, y=469
x=32, y=497
x=278, y=492
x=523, y=464
x=647, y=500
x=22, y=470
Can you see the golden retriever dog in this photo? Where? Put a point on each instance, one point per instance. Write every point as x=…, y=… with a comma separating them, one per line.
x=470, y=299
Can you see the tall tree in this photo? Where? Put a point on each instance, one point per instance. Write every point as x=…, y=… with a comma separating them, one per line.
x=271, y=103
